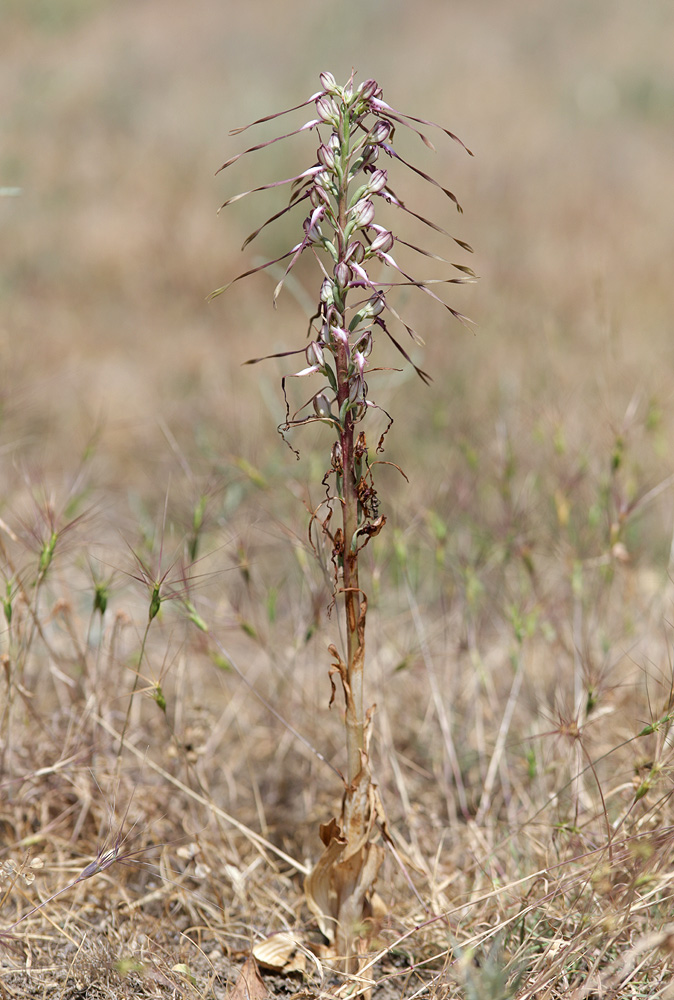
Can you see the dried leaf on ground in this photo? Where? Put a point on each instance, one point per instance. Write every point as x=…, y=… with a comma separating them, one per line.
x=250, y=984
x=281, y=952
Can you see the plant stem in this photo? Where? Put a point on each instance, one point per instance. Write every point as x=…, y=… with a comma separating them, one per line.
x=352, y=607
x=352, y=596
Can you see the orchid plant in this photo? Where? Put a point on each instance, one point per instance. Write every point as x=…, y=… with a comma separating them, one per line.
x=355, y=128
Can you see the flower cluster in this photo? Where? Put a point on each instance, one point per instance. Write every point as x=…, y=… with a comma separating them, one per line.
x=355, y=127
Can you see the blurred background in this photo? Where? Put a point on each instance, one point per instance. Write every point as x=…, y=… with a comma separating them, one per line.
x=114, y=119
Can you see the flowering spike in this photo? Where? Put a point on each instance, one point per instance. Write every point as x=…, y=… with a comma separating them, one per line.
x=353, y=125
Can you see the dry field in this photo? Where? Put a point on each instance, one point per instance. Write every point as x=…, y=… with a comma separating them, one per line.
x=161, y=785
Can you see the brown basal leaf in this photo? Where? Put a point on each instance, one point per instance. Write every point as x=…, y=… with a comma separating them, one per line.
x=340, y=887
x=249, y=985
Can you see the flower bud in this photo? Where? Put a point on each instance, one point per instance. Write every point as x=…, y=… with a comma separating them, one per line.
x=380, y=132
x=322, y=405
x=382, y=242
x=342, y=274
x=314, y=354
x=355, y=252
x=327, y=290
x=370, y=156
x=318, y=196
x=326, y=156
x=377, y=304
x=328, y=82
x=362, y=213
x=323, y=180
x=372, y=308
x=355, y=389
x=334, y=142
x=327, y=110
x=377, y=181
x=369, y=89
x=312, y=228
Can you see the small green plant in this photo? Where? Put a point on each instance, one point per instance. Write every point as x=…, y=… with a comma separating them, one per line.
x=356, y=130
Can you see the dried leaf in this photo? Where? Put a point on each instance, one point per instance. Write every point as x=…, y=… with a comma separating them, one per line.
x=320, y=895
x=339, y=889
x=281, y=952
x=249, y=985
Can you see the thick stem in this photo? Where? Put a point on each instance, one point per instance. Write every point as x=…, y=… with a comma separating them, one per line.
x=352, y=608
x=354, y=719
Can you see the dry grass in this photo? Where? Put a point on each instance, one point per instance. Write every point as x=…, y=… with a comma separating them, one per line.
x=520, y=602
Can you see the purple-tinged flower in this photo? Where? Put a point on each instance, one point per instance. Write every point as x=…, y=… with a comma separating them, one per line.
x=324, y=180
x=377, y=181
x=356, y=387
x=314, y=354
x=327, y=110
x=380, y=132
x=377, y=304
x=362, y=213
x=311, y=370
x=319, y=196
x=372, y=308
x=363, y=346
x=338, y=335
x=365, y=278
x=382, y=242
x=326, y=156
x=322, y=405
x=328, y=82
x=311, y=225
x=342, y=274
x=369, y=89
x=352, y=128
x=355, y=251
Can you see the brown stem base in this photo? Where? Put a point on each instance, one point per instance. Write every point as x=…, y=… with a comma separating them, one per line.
x=340, y=888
